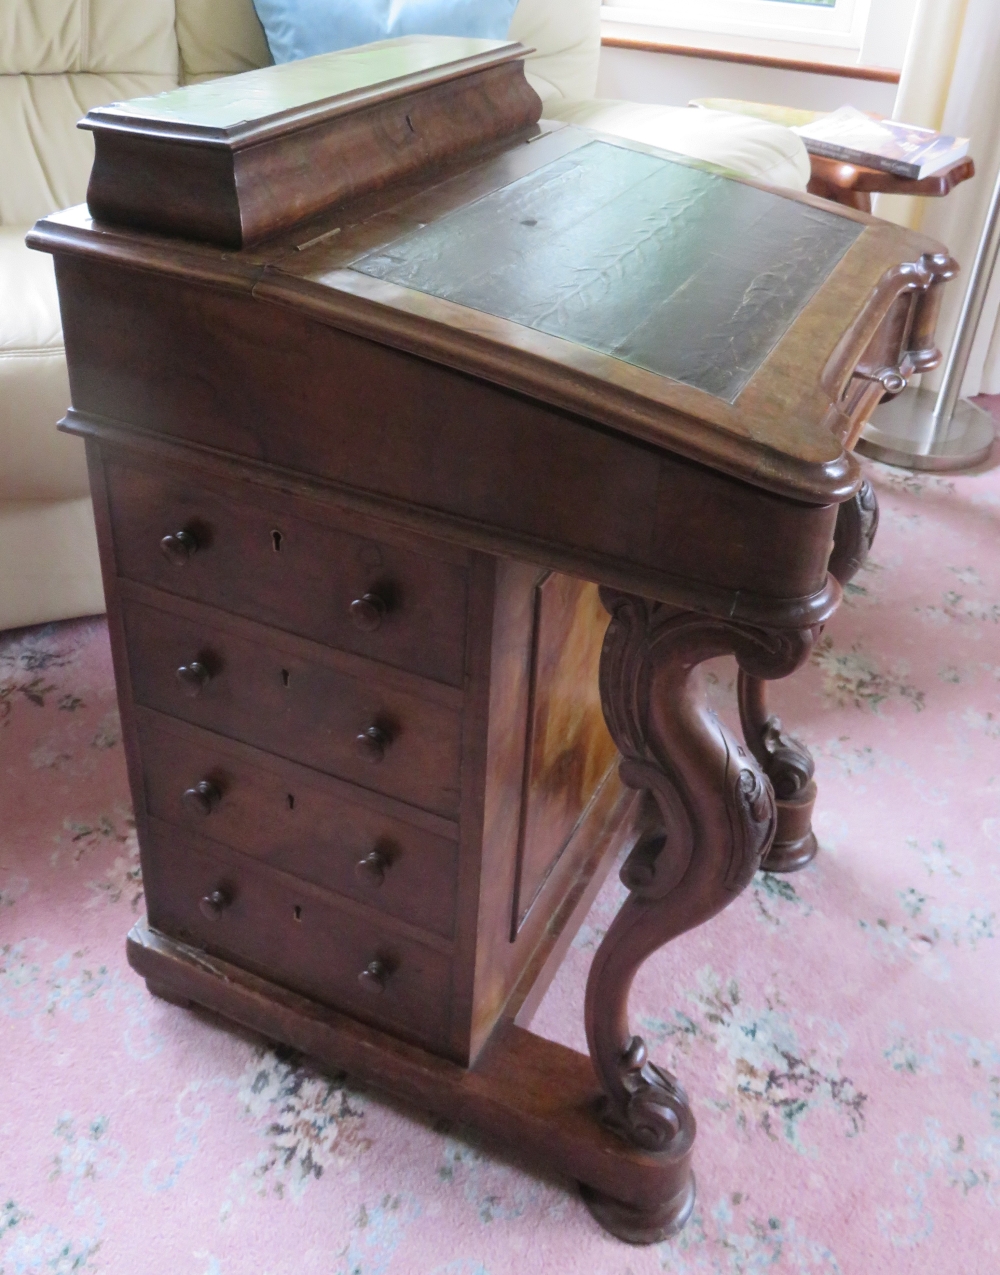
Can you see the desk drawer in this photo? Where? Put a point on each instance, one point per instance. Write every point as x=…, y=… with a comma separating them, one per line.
x=257, y=560
x=293, y=819
x=224, y=903
x=335, y=713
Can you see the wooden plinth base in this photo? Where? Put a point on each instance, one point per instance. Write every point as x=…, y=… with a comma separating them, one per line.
x=524, y=1092
x=794, y=842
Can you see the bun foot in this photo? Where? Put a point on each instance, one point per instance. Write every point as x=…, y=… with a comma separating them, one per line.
x=794, y=842
x=791, y=856
x=637, y=1225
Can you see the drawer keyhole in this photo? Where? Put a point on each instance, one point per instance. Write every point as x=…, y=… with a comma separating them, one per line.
x=276, y=539
x=179, y=547
x=297, y=912
x=290, y=800
x=285, y=677
x=202, y=798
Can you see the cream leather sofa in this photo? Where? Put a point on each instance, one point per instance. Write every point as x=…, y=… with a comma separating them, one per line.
x=58, y=58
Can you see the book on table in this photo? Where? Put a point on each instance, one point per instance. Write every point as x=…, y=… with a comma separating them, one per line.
x=892, y=147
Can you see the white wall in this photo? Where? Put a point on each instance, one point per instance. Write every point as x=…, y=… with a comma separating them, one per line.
x=638, y=76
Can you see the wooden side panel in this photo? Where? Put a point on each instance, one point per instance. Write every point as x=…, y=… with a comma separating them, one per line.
x=510, y=676
x=537, y=789
x=569, y=748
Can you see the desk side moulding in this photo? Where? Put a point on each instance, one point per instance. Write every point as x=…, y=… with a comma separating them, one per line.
x=433, y=449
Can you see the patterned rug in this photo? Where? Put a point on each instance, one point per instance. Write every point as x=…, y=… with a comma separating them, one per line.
x=838, y=1030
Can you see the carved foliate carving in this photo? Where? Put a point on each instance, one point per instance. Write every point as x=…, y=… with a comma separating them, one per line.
x=785, y=760
x=753, y=800
x=656, y=1106
x=713, y=818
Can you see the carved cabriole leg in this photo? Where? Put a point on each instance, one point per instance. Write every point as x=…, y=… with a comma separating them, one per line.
x=716, y=818
x=786, y=761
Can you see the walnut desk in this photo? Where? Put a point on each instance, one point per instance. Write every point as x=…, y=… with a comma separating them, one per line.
x=392, y=397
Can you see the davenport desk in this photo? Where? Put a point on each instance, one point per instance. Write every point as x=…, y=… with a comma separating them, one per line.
x=432, y=451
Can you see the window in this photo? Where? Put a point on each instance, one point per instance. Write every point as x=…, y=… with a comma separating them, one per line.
x=838, y=24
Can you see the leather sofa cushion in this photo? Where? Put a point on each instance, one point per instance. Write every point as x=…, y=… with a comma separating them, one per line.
x=219, y=37
x=53, y=37
x=745, y=145
x=58, y=58
x=567, y=35
x=36, y=461
x=48, y=561
x=39, y=140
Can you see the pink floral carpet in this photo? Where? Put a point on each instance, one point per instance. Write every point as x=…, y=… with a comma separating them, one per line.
x=839, y=1030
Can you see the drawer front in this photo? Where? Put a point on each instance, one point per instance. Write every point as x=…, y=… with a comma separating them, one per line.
x=296, y=707
x=231, y=906
x=300, y=823
x=285, y=571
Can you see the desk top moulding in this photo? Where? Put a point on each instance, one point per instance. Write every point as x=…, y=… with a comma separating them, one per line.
x=392, y=396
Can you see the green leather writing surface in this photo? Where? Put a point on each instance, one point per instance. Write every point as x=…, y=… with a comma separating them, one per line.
x=667, y=266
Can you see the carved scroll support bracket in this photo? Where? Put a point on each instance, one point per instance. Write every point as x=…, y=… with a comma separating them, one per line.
x=785, y=760
x=713, y=818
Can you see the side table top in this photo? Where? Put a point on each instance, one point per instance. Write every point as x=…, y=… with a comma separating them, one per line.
x=838, y=173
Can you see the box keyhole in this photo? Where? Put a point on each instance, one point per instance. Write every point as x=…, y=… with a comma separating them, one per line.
x=276, y=539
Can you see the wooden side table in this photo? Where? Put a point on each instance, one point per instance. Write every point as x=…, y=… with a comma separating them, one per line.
x=849, y=184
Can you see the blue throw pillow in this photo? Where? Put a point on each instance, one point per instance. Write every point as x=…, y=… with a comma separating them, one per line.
x=300, y=28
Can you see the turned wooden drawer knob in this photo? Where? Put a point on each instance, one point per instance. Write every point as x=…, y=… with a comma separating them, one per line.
x=371, y=869
x=371, y=744
x=367, y=612
x=372, y=977
x=179, y=547
x=202, y=798
x=213, y=905
x=193, y=677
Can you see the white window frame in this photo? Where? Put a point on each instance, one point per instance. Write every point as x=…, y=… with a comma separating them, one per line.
x=839, y=27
